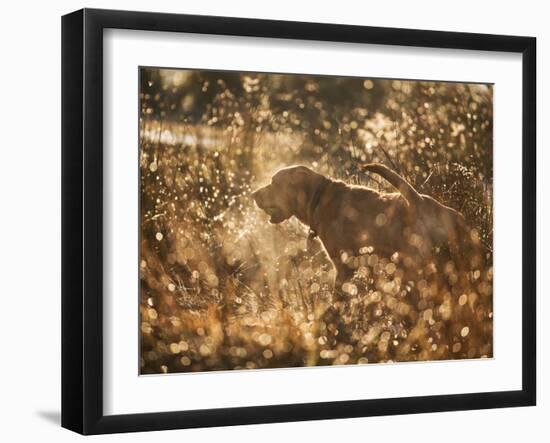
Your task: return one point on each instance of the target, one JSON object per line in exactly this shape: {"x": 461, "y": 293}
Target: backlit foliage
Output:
{"x": 221, "y": 288}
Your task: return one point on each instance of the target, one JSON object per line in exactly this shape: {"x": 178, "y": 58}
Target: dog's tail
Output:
{"x": 403, "y": 186}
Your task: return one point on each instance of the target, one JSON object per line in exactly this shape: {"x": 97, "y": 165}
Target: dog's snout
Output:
{"x": 258, "y": 194}
{"x": 255, "y": 194}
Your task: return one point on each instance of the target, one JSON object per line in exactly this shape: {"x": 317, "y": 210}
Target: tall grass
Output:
{"x": 221, "y": 288}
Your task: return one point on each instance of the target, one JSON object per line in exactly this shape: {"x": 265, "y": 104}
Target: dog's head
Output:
{"x": 288, "y": 194}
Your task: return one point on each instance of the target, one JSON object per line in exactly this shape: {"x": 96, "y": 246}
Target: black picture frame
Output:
{"x": 82, "y": 218}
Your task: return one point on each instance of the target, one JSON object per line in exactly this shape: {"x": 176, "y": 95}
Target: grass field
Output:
{"x": 222, "y": 288}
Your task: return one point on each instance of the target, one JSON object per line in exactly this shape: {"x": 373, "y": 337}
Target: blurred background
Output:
{"x": 40, "y": 310}
{"x": 221, "y": 288}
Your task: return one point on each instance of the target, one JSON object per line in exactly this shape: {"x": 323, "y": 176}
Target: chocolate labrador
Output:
{"x": 347, "y": 218}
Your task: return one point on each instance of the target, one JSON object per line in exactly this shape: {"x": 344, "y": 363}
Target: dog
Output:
{"x": 348, "y": 218}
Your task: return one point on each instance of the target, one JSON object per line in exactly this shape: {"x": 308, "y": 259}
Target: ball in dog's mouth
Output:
{"x": 272, "y": 212}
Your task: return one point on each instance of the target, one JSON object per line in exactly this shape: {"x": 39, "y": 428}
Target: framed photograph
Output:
{"x": 270, "y": 221}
